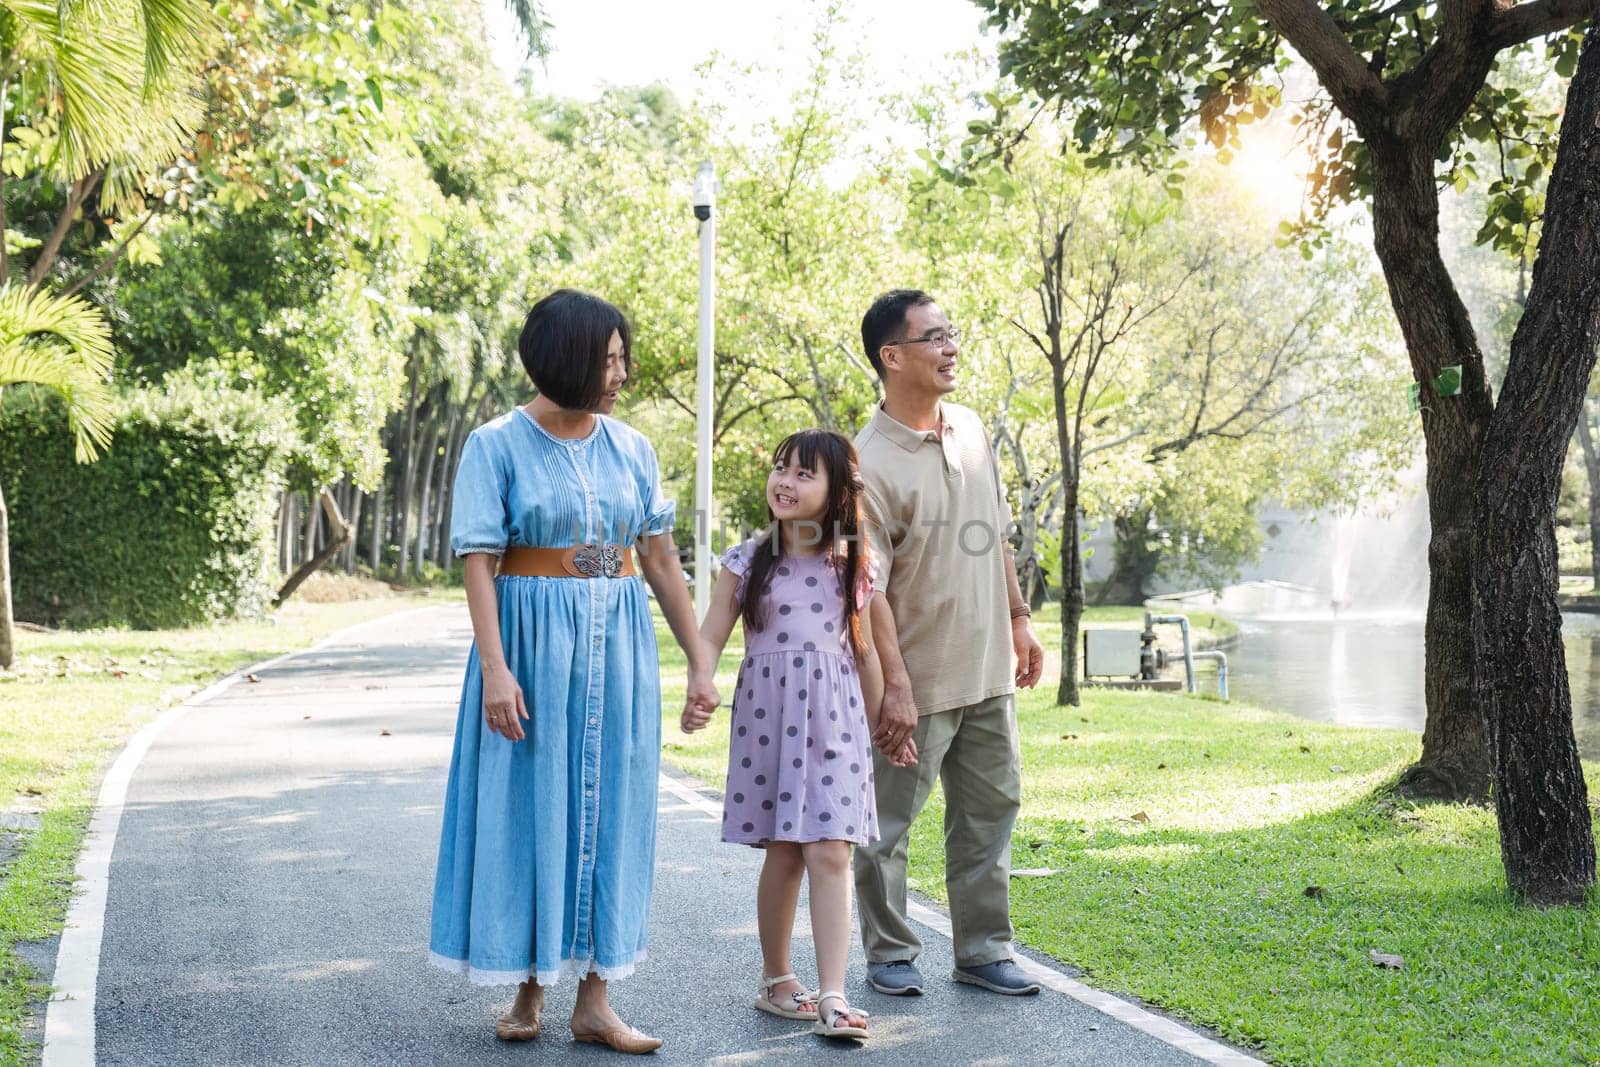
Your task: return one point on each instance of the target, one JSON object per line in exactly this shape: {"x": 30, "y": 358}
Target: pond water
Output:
{"x": 1368, "y": 672}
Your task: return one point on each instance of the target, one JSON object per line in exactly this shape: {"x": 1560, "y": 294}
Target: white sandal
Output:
{"x": 834, "y": 1022}
{"x": 789, "y": 1008}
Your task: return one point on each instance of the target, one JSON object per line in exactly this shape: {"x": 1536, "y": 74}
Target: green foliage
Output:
{"x": 104, "y": 81}
{"x": 1141, "y": 79}
{"x": 1216, "y": 393}
{"x": 259, "y": 300}
{"x": 171, "y": 527}
{"x": 61, "y": 344}
{"x": 805, "y": 240}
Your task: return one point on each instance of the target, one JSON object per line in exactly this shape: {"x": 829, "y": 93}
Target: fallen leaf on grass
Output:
{"x": 1337, "y": 768}
{"x": 1161, "y": 766}
{"x": 1139, "y": 892}
{"x": 1305, "y": 748}
{"x": 116, "y": 672}
{"x": 1399, "y": 868}
{"x": 1387, "y": 961}
{"x": 1316, "y": 892}
{"x": 1263, "y": 893}
{"x": 1069, "y": 737}
{"x": 1139, "y": 816}
{"x": 251, "y": 678}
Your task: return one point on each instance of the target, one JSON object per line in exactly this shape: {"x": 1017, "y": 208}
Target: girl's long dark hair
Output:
{"x": 835, "y": 456}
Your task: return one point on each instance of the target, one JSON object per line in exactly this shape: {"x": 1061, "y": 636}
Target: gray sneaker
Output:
{"x": 898, "y": 978}
{"x": 1001, "y": 976}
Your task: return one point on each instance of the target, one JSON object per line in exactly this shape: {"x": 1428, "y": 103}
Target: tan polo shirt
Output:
{"x": 937, "y": 523}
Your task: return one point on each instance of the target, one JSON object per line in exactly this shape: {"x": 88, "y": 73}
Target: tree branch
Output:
{"x": 111, "y": 260}
{"x": 1355, "y": 89}
{"x": 1515, "y": 23}
{"x": 77, "y": 193}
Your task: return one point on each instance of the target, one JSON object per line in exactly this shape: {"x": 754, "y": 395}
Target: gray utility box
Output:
{"x": 1111, "y": 653}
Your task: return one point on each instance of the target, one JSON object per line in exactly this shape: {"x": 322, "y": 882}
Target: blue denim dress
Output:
{"x": 547, "y": 853}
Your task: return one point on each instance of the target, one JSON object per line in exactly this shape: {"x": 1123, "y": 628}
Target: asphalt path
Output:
{"x": 270, "y": 883}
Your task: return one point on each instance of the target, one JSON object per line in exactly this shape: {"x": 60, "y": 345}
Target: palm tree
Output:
{"x": 534, "y": 26}
{"x": 61, "y": 344}
{"x": 102, "y": 89}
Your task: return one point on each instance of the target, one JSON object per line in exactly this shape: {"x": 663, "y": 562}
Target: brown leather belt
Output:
{"x": 579, "y": 561}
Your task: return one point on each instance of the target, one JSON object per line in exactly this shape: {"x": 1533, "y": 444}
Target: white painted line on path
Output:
{"x": 69, "y": 1039}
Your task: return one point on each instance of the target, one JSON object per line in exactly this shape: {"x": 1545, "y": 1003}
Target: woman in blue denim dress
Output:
{"x": 546, "y": 857}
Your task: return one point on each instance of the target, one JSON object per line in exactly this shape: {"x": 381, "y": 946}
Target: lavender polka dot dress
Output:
{"x": 799, "y": 760}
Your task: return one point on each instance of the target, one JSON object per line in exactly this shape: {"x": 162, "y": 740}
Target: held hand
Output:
{"x": 695, "y": 716}
{"x": 503, "y": 706}
{"x": 905, "y": 756}
{"x": 1030, "y": 654}
{"x": 702, "y": 699}
{"x": 897, "y": 719}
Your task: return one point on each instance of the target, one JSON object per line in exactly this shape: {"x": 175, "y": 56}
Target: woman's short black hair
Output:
{"x": 885, "y": 321}
{"x": 563, "y": 347}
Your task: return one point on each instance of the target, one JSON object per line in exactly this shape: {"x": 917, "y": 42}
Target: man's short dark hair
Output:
{"x": 563, "y": 347}
{"x": 885, "y": 321}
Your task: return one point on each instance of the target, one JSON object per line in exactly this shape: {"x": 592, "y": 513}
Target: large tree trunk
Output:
{"x": 339, "y": 535}
{"x": 430, "y": 463}
{"x": 7, "y": 650}
{"x": 466, "y": 418}
{"x": 408, "y": 476}
{"x": 1546, "y": 832}
{"x": 375, "y": 544}
{"x": 1135, "y": 562}
{"x": 312, "y": 529}
{"x": 1071, "y": 563}
{"x": 357, "y": 500}
{"x": 1455, "y": 759}
{"x": 1591, "y": 470}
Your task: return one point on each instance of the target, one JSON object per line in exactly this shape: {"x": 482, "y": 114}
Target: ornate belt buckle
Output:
{"x": 592, "y": 561}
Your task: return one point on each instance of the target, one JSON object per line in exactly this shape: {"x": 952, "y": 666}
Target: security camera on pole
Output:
{"x": 705, "y": 199}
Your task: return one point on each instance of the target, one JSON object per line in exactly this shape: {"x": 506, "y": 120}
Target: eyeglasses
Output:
{"x": 938, "y": 339}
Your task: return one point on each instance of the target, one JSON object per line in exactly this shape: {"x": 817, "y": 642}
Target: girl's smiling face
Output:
{"x": 796, "y": 493}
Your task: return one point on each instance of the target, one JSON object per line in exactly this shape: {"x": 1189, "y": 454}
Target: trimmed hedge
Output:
{"x": 173, "y": 526}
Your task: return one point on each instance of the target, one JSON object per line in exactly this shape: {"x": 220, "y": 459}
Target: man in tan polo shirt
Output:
{"x": 955, "y": 639}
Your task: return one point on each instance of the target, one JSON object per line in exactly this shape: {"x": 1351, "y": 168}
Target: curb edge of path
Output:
{"x": 1166, "y": 1030}
{"x": 69, "y": 1029}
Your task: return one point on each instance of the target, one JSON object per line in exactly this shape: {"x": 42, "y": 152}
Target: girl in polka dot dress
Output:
{"x": 806, "y": 704}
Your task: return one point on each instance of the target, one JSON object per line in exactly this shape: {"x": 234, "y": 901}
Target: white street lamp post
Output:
{"x": 705, "y": 199}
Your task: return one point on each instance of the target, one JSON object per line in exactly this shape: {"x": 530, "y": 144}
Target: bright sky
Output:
{"x": 633, "y": 42}
{"x": 600, "y": 43}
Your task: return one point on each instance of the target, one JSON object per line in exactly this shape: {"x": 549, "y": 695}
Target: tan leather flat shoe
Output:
{"x": 621, "y": 1038}
{"x": 509, "y": 1029}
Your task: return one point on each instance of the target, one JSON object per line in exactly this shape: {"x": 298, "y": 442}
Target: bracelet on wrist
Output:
{"x": 1021, "y": 611}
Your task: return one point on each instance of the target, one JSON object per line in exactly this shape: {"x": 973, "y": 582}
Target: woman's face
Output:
{"x": 616, "y": 375}
{"x": 796, "y": 493}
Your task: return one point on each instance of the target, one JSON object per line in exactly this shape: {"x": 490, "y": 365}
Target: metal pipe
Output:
{"x": 1222, "y": 670}
{"x": 1188, "y": 652}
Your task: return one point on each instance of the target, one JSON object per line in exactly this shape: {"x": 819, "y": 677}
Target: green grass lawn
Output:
{"x": 1185, "y": 835}
{"x": 68, "y": 703}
